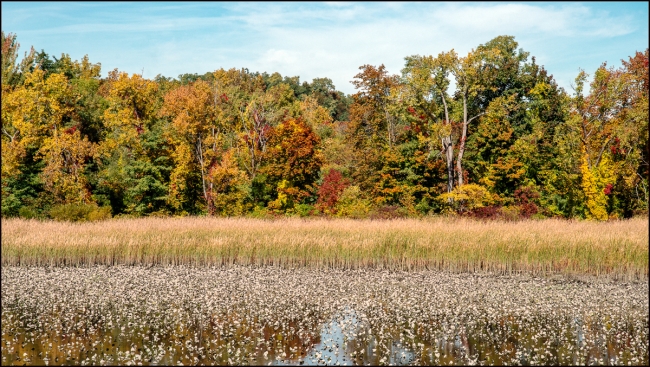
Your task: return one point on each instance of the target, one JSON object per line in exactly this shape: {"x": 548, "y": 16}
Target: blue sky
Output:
{"x": 327, "y": 39}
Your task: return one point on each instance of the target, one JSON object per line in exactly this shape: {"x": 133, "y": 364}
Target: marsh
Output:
{"x": 269, "y": 315}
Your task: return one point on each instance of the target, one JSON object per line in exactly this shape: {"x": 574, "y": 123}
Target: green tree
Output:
{"x": 132, "y": 156}
{"x": 427, "y": 81}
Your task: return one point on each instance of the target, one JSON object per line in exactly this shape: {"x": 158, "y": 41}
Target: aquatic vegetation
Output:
{"x": 617, "y": 249}
{"x": 240, "y": 315}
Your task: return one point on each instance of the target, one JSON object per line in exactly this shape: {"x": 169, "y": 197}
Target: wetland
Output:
{"x": 265, "y": 315}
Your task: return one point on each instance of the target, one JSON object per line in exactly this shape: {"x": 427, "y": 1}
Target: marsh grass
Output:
{"x": 615, "y": 248}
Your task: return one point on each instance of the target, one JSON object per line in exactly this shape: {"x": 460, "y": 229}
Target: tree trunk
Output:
{"x": 461, "y": 147}
{"x": 390, "y": 128}
{"x": 448, "y": 150}
{"x": 463, "y": 138}
{"x": 199, "y": 151}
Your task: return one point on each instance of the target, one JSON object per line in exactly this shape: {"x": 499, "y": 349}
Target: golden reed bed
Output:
{"x": 617, "y": 248}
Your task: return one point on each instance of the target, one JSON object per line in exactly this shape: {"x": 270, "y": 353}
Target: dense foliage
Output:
{"x": 504, "y": 142}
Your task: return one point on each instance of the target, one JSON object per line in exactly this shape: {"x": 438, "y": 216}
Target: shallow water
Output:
{"x": 245, "y": 315}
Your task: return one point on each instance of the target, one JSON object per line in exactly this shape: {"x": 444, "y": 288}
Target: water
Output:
{"x": 344, "y": 340}
{"x": 245, "y": 316}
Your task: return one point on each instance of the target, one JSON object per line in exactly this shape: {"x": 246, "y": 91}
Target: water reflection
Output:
{"x": 334, "y": 340}
{"x": 344, "y": 340}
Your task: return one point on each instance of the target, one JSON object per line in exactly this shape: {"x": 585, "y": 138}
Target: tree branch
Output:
{"x": 479, "y": 115}
{"x": 602, "y": 150}
{"x": 12, "y": 137}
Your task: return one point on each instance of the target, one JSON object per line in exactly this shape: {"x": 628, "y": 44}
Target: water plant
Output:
{"x": 240, "y": 315}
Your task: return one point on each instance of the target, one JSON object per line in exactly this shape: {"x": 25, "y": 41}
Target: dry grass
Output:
{"x": 618, "y": 248}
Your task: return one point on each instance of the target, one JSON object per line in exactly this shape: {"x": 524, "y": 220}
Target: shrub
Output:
{"x": 162, "y": 213}
{"x": 510, "y": 212}
{"x": 99, "y": 213}
{"x": 128, "y": 216}
{"x": 352, "y": 204}
{"x": 497, "y": 212}
{"x": 424, "y": 207}
{"x": 79, "y": 212}
{"x": 466, "y": 198}
{"x": 230, "y": 190}
{"x": 260, "y": 212}
{"x": 527, "y": 199}
{"x": 486, "y": 212}
{"x": 27, "y": 213}
{"x": 330, "y": 191}
{"x": 302, "y": 210}
{"x": 389, "y": 212}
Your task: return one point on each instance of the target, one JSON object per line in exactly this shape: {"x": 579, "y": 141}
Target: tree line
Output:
{"x": 488, "y": 134}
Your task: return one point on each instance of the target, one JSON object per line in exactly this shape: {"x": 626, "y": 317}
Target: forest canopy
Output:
{"x": 488, "y": 134}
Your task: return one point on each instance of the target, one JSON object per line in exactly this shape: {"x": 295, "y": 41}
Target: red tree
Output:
{"x": 330, "y": 191}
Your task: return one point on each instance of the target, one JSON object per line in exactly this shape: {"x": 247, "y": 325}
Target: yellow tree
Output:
{"x": 65, "y": 153}
{"x": 313, "y": 113}
{"x": 293, "y": 162}
{"x": 84, "y": 69}
{"x": 230, "y": 189}
{"x": 599, "y": 119}
{"x": 33, "y": 120}
{"x": 258, "y": 115}
{"x": 28, "y": 113}
{"x": 130, "y": 110}
{"x": 196, "y": 136}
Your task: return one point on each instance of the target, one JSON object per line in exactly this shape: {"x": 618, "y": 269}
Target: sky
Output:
{"x": 326, "y": 39}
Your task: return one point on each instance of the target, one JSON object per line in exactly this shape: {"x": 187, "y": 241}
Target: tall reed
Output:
{"x": 618, "y": 248}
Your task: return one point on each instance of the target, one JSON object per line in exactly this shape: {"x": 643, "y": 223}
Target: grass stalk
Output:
{"x": 615, "y": 248}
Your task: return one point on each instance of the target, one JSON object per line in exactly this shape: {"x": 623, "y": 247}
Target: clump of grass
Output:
{"x": 618, "y": 248}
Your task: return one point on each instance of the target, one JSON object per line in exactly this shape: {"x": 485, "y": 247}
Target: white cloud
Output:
{"x": 338, "y": 4}
{"x": 329, "y": 39}
{"x": 335, "y": 41}
{"x": 280, "y": 57}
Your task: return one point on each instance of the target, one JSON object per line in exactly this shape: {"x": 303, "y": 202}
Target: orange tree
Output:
{"x": 291, "y": 164}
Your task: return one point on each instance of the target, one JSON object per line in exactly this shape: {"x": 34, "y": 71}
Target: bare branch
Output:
{"x": 479, "y": 115}
{"x": 12, "y": 137}
{"x": 602, "y": 149}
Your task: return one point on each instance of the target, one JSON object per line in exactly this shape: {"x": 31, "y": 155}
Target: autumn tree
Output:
{"x": 38, "y": 122}
{"x": 471, "y": 83}
{"x": 230, "y": 186}
{"x": 13, "y": 72}
{"x": 292, "y": 163}
{"x": 196, "y": 135}
{"x": 66, "y": 154}
{"x": 371, "y": 128}
{"x": 633, "y": 143}
{"x": 519, "y": 106}
{"x": 427, "y": 81}
{"x": 329, "y": 192}
{"x": 134, "y": 163}
{"x": 610, "y": 121}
